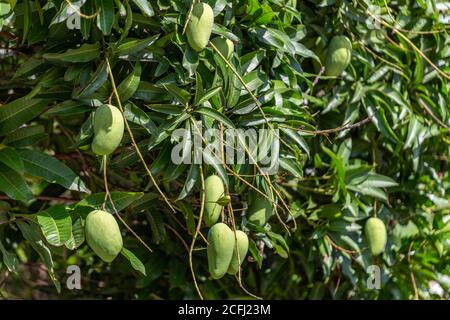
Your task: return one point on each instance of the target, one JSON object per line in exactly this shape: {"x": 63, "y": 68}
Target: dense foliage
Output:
{"x": 371, "y": 141}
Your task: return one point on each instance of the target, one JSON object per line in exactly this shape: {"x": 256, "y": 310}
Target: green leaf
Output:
{"x": 29, "y": 67}
{"x": 440, "y": 203}
{"x": 135, "y": 46}
{"x": 216, "y": 164}
{"x": 418, "y": 71}
{"x": 369, "y": 191}
{"x": 16, "y": 113}
{"x": 51, "y": 170}
{"x": 130, "y": 84}
{"x": 150, "y": 92}
{"x": 32, "y": 235}
{"x": 145, "y": 7}
{"x": 378, "y": 73}
{"x": 251, "y": 60}
{"x": 298, "y": 139}
{"x": 158, "y": 230}
{"x": 85, "y": 24}
{"x": 128, "y": 21}
{"x": 253, "y": 249}
{"x": 216, "y": 115}
{"x": 378, "y": 181}
{"x": 105, "y": 18}
{"x": 198, "y": 88}
{"x": 134, "y": 261}
{"x": 278, "y": 238}
{"x": 406, "y": 231}
{"x": 208, "y": 95}
{"x": 165, "y": 129}
{"x": 190, "y": 60}
{"x": 13, "y": 184}
{"x": 136, "y": 115}
{"x": 413, "y": 131}
{"x": 181, "y": 95}
{"x": 56, "y": 224}
{"x": 26, "y": 20}
{"x": 11, "y": 158}
{"x": 121, "y": 200}
{"x": 396, "y": 97}
{"x": 86, "y": 131}
{"x": 10, "y": 259}
{"x": 380, "y": 121}
{"x": 191, "y": 179}
{"x": 77, "y": 237}
{"x": 97, "y": 80}
{"x": 291, "y": 166}
{"x": 25, "y": 136}
{"x": 85, "y": 53}
{"x": 68, "y": 108}
{"x": 66, "y": 10}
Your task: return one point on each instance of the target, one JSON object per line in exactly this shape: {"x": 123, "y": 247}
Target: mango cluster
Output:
{"x": 226, "y": 249}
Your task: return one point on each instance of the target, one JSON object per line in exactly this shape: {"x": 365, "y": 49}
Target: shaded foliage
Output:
{"x": 372, "y": 141}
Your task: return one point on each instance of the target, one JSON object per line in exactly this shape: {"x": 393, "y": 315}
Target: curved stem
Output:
{"x": 133, "y": 141}
{"x": 108, "y": 196}
{"x": 197, "y": 230}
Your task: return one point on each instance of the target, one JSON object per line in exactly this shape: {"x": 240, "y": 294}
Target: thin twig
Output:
{"x": 427, "y": 109}
{"x": 239, "y": 274}
{"x": 333, "y": 244}
{"x": 413, "y": 31}
{"x": 133, "y": 141}
{"x": 178, "y": 236}
{"x": 341, "y": 128}
{"x": 82, "y": 15}
{"x": 188, "y": 16}
{"x": 411, "y": 273}
{"x": 197, "y": 230}
{"x": 274, "y": 205}
{"x": 108, "y": 195}
{"x": 398, "y": 32}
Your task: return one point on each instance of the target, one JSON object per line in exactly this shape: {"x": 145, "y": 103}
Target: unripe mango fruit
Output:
{"x": 214, "y": 190}
{"x": 103, "y": 235}
{"x": 260, "y": 210}
{"x": 220, "y": 249}
{"x": 242, "y": 248}
{"x": 376, "y": 235}
{"x": 338, "y": 56}
{"x": 108, "y": 129}
{"x": 225, "y": 46}
{"x": 199, "y": 27}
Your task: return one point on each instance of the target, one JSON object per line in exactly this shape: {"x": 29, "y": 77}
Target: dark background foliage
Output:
{"x": 373, "y": 141}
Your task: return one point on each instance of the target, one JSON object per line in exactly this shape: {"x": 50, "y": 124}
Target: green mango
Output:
{"x": 108, "y": 129}
{"x": 338, "y": 55}
{"x": 199, "y": 27}
{"x": 214, "y": 190}
{"x": 376, "y": 235}
{"x": 103, "y": 235}
{"x": 242, "y": 245}
{"x": 225, "y": 46}
{"x": 220, "y": 249}
{"x": 260, "y": 210}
